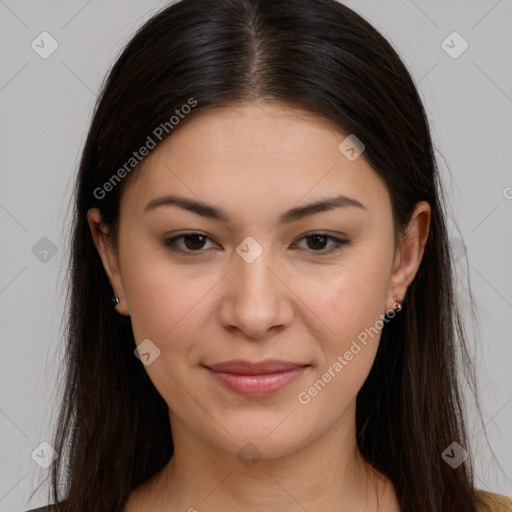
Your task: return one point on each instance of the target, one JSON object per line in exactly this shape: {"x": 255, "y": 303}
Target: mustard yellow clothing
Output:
{"x": 495, "y": 502}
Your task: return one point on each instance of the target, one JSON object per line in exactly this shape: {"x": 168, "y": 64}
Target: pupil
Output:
{"x": 193, "y": 237}
{"x": 316, "y": 237}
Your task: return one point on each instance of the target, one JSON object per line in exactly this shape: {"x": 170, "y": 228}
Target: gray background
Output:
{"x": 46, "y": 107}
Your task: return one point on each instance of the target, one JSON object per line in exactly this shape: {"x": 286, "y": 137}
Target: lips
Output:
{"x": 241, "y": 367}
{"x": 256, "y": 379}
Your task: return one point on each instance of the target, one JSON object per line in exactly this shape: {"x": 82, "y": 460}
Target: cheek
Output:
{"x": 163, "y": 303}
{"x": 168, "y": 303}
{"x": 351, "y": 298}
{"x": 154, "y": 288}
{"x": 350, "y": 305}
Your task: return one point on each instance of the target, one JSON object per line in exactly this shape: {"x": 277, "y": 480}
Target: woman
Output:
{"x": 258, "y": 193}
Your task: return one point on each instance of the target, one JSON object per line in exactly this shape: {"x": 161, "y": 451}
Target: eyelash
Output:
{"x": 170, "y": 243}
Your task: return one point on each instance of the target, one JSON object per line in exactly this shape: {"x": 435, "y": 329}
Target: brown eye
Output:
{"x": 317, "y": 242}
{"x": 192, "y": 243}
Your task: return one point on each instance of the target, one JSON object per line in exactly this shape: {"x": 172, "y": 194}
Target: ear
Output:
{"x": 108, "y": 256}
{"x": 410, "y": 252}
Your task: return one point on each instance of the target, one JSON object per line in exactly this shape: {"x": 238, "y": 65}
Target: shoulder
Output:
{"x": 491, "y": 502}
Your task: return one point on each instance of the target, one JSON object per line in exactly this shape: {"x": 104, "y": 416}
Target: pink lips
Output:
{"x": 256, "y": 379}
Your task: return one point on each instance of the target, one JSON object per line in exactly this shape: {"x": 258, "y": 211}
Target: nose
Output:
{"x": 256, "y": 298}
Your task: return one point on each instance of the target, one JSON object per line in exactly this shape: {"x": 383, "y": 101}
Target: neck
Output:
{"x": 327, "y": 473}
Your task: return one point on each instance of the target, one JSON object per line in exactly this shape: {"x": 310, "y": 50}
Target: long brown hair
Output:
{"x": 113, "y": 430}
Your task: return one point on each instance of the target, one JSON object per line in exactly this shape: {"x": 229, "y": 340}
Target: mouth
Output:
{"x": 256, "y": 379}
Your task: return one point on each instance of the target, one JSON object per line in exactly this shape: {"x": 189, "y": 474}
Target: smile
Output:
{"x": 256, "y": 380}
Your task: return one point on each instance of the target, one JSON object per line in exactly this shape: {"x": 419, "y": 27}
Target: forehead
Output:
{"x": 255, "y": 155}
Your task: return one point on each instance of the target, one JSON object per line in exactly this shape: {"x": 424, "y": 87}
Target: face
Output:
{"x": 308, "y": 288}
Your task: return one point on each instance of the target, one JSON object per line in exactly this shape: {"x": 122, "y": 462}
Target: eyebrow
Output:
{"x": 292, "y": 215}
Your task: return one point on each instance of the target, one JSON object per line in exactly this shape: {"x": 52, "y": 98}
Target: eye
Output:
{"x": 194, "y": 242}
{"x": 319, "y": 240}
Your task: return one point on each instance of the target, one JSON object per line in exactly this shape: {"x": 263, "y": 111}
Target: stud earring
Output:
{"x": 399, "y": 302}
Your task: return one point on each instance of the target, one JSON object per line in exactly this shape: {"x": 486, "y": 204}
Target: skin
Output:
{"x": 256, "y": 160}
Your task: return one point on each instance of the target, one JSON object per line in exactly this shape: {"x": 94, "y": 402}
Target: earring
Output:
{"x": 399, "y": 302}
{"x": 115, "y": 300}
